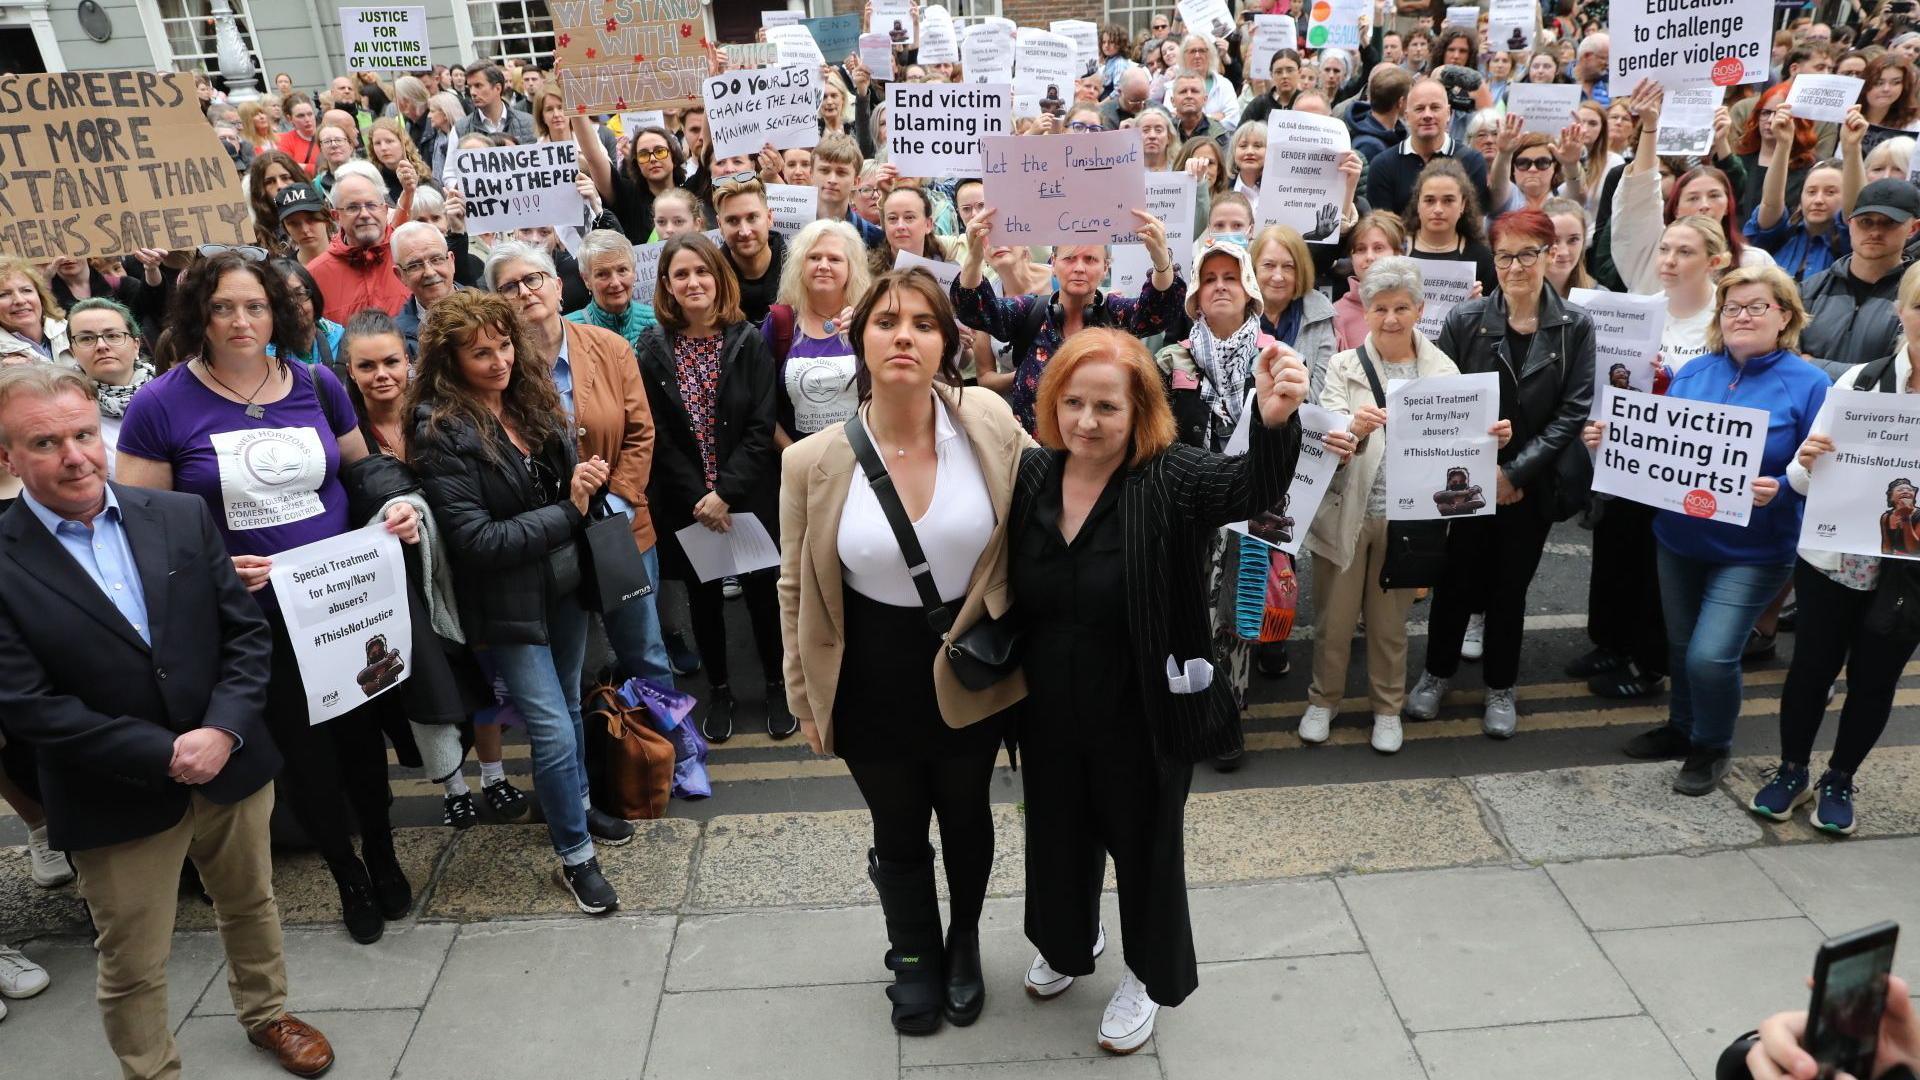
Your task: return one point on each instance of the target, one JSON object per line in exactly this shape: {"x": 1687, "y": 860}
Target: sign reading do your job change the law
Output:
{"x": 1691, "y": 457}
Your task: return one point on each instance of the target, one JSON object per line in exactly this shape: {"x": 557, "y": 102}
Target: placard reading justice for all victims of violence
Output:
{"x": 1865, "y": 496}
{"x": 385, "y": 39}
{"x": 345, "y": 602}
{"x": 1441, "y": 463}
{"x": 1691, "y": 457}
{"x": 1065, "y": 189}
{"x": 95, "y": 164}
{"x": 629, "y": 54}
{"x": 934, "y": 130}
{"x": 768, "y": 106}
{"x": 515, "y": 187}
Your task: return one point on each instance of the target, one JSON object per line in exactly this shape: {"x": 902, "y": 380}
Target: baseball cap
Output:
{"x": 1897, "y": 200}
{"x": 297, "y": 198}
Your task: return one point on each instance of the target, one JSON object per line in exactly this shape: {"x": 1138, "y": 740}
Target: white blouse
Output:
{"x": 953, "y": 532}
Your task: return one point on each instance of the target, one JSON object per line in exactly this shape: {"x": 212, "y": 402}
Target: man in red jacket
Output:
{"x": 356, "y": 270}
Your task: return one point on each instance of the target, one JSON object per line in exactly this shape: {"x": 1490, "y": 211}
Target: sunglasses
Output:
{"x": 246, "y": 251}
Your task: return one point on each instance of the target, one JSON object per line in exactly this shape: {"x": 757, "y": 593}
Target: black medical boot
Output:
{"x": 914, "y": 953}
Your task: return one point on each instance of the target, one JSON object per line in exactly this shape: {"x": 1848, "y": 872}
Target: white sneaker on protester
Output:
{"x": 49, "y": 868}
{"x": 19, "y": 976}
{"x": 1043, "y": 982}
{"x": 1386, "y": 734}
{"x": 1128, "y": 1022}
{"x": 1315, "y": 723}
{"x": 1475, "y": 643}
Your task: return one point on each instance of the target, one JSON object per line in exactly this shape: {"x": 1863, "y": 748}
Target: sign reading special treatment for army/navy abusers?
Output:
{"x": 345, "y": 602}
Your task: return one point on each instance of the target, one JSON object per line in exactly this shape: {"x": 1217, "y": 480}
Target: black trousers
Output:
{"x": 1623, "y": 594}
{"x": 1832, "y": 632}
{"x": 706, "y": 606}
{"x": 330, "y": 767}
{"x": 1086, "y": 804}
{"x": 904, "y": 795}
{"x": 1490, "y": 560}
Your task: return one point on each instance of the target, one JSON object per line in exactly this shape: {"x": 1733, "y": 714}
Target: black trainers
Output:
{"x": 780, "y": 721}
{"x": 1703, "y": 771}
{"x": 716, "y": 718}
{"x": 507, "y": 802}
{"x": 1626, "y": 681}
{"x": 1230, "y": 761}
{"x": 358, "y": 909}
{"x": 391, "y": 891}
{"x": 1593, "y": 662}
{"x": 1662, "y": 742}
{"x": 681, "y": 658}
{"x": 1271, "y": 660}
{"x": 607, "y": 829}
{"x": 589, "y": 887}
{"x": 458, "y": 811}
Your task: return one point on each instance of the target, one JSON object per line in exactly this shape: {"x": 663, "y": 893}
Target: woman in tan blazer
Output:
{"x": 865, "y": 673}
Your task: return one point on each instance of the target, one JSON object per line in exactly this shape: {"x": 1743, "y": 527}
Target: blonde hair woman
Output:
{"x": 825, "y": 275}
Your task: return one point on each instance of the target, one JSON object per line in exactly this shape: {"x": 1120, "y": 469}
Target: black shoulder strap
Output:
{"x": 881, "y": 481}
{"x": 1028, "y": 331}
{"x": 1877, "y": 375}
{"x": 1373, "y": 377}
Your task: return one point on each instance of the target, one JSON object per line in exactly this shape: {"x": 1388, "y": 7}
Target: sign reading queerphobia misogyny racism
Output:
{"x": 1445, "y": 282}
{"x": 514, "y": 187}
{"x": 934, "y": 130}
{"x": 1691, "y": 457}
{"x": 102, "y": 163}
{"x": 385, "y": 39}
{"x": 1301, "y": 185}
{"x": 767, "y": 106}
{"x": 1284, "y": 525}
{"x": 1065, "y": 189}
{"x": 1441, "y": 463}
{"x": 1863, "y": 496}
{"x": 345, "y": 602}
{"x": 1680, "y": 43}
{"x": 636, "y": 54}
{"x": 1626, "y": 339}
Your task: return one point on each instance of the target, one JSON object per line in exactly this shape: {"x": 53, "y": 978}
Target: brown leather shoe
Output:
{"x": 302, "y": 1050}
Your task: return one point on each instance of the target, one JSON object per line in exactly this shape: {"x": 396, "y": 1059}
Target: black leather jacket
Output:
{"x": 1547, "y": 398}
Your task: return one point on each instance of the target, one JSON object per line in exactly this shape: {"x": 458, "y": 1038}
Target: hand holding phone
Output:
{"x": 1849, "y": 998}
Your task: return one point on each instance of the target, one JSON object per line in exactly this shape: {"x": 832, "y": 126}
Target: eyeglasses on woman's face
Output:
{"x": 1751, "y": 311}
{"x": 1507, "y": 260}
{"x": 112, "y": 339}
{"x": 531, "y": 283}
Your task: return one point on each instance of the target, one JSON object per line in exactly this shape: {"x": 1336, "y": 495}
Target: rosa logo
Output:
{"x": 1827, "y": 528}
{"x": 274, "y": 459}
{"x": 1728, "y": 70}
{"x": 330, "y": 697}
{"x": 1700, "y": 503}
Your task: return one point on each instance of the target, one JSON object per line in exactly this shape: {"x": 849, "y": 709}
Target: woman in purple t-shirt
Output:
{"x": 263, "y": 443}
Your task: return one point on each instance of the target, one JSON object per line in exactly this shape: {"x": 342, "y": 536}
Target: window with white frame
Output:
{"x": 972, "y": 9}
{"x": 192, "y": 39}
{"x": 1137, "y": 15}
{"x": 508, "y": 28}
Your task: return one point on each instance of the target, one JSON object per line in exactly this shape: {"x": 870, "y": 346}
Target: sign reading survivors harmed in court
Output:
{"x": 515, "y": 187}
{"x": 934, "y": 129}
{"x": 101, "y": 163}
{"x": 1691, "y": 457}
{"x": 635, "y": 54}
{"x": 1863, "y": 497}
{"x": 1065, "y": 189}
{"x": 1680, "y": 43}
{"x": 385, "y": 39}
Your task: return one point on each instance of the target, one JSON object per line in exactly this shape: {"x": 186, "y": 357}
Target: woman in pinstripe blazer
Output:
{"x": 1108, "y": 544}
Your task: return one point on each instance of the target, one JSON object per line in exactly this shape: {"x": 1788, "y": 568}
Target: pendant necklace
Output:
{"x": 253, "y": 410}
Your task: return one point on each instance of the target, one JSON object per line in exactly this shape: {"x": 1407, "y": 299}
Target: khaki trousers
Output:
{"x": 1340, "y": 597}
{"x": 132, "y": 889}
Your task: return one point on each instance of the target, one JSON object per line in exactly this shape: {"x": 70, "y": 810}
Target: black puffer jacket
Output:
{"x": 1850, "y": 322}
{"x": 499, "y": 530}
{"x": 1547, "y": 398}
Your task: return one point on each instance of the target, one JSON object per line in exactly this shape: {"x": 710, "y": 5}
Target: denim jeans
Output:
{"x": 544, "y": 682}
{"x": 1710, "y": 608}
{"x": 634, "y": 630}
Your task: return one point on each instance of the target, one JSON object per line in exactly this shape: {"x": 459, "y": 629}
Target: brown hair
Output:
{"x": 1153, "y": 427}
{"x": 192, "y": 306}
{"x": 1468, "y": 227}
{"x": 1901, "y": 112}
{"x": 1785, "y": 293}
{"x": 266, "y": 220}
{"x": 914, "y": 280}
{"x": 408, "y": 151}
{"x": 1387, "y": 222}
{"x": 726, "y": 301}
{"x": 725, "y": 190}
{"x": 530, "y": 403}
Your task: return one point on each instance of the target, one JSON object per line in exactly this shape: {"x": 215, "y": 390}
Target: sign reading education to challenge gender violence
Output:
{"x": 1680, "y": 43}
{"x": 629, "y": 54}
{"x": 1691, "y": 457}
{"x": 1863, "y": 496}
{"x": 1441, "y": 462}
{"x": 1065, "y": 189}
{"x": 385, "y": 39}
{"x": 95, "y": 164}
{"x": 345, "y": 602}
{"x": 516, "y": 187}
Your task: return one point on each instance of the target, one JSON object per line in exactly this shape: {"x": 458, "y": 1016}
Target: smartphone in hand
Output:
{"x": 1849, "y": 995}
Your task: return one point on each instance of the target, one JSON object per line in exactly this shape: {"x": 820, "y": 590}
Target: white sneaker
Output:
{"x": 49, "y": 867}
{"x": 19, "y": 976}
{"x": 1128, "y": 1022}
{"x": 1386, "y": 734}
{"x": 1043, "y": 982}
{"x": 1314, "y": 724}
{"x": 1475, "y": 643}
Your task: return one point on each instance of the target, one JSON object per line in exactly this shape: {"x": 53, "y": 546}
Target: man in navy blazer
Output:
{"x": 135, "y": 663}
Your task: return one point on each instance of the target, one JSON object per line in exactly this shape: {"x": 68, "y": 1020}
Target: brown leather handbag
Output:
{"x": 637, "y": 770}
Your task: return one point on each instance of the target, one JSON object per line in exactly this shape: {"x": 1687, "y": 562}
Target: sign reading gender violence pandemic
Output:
{"x": 1271, "y": 33}
{"x": 516, "y": 187}
{"x": 345, "y": 602}
{"x": 385, "y": 39}
{"x": 1544, "y": 107}
{"x": 1170, "y": 197}
{"x": 1334, "y": 24}
{"x": 1691, "y": 457}
{"x": 1065, "y": 189}
{"x": 747, "y": 110}
{"x": 1863, "y": 496}
{"x": 1510, "y": 24}
{"x": 1686, "y": 120}
{"x": 894, "y": 18}
{"x": 1441, "y": 462}
{"x": 1284, "y": 525}
{"x": 1680, "y": 43}
{"x": 1626, "y": 339}
{"x": 934, "y": 129}
{"x": 1301, "y": 185}
{"x": 95, "y": 164}
{"x": 1445, "y": 282}
{"x": 637, "y": 54}
{"x": 1823, "y": 97}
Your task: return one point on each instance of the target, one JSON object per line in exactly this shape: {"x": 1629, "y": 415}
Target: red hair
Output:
{"x": 1533, "y": 225}
{"x": 1729, "y": 221}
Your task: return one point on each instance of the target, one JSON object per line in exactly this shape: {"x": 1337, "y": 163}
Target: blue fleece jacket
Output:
{"x": 1791, "y": 391}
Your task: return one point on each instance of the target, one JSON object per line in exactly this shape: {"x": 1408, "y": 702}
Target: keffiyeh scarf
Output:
{"x": 1226, "y": 366}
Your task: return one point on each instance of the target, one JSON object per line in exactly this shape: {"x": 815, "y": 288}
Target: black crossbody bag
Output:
{"x": 1416, "y": 550}
{"x": 989, "y": 650}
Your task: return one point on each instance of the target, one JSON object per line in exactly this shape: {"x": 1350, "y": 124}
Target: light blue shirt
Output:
{"x": 103, "y": 552}
{"x": 563, "y": 382}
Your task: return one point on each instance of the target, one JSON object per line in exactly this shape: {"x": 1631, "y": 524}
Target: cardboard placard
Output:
{"x": 1271, "y": 33}
{"x": 894, "y": 18}
{"x": 1691, "y": 457}
{"x": 1726, "y": 43}
{"x": 1626, "y": 339}
{"x": 747, "y": 110}
{"x": 791, "y": 207}
{"x": 1441, "y": 463}
{"x": 344, "y": 600}
{"x": 1544, "y": 107}
{"x": 934, "y": 129}
{"x": 1686, "y": 120}
{"x": 1862, "y": 499}
{"x": 516, "y": 187}
{"x": 385, "y": 39}
{"x": 1510, "y": 24}
{"x": 836, "y": 35}
{"x": 1823, "y": 97}
{"x": 102, "y": 163}
{"x": 1444, "y": 282}
{"x": 1301, "y": 184}
{"x": 1065, "y": 189}
{"x": 629, "y": 56}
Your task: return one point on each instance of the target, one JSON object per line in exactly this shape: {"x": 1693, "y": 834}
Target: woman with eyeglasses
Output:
{"x": 652, "y": 166}
{"x": 1715, "y": 577}
{"x": 1543, "y": 352}
{"x": 264, "y": 442}
{"x": 336, "y": 149}
{"x": 106, "y": 345}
